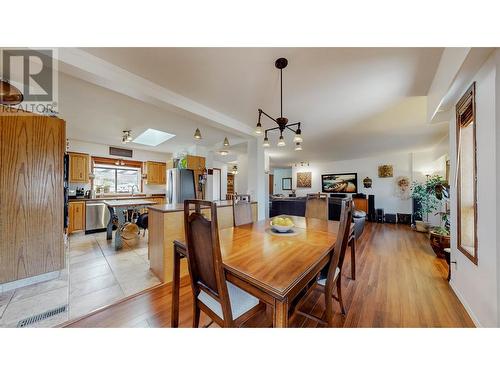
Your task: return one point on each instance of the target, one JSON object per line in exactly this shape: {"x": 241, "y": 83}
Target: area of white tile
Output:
{"x": 95, "y": 276}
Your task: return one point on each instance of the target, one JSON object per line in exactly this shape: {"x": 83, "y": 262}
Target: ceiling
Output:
{"x": 352, "y": 102}
{"x": 95, "y": 114}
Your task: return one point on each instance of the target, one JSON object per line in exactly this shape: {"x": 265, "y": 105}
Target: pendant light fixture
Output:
{"x": 225, "y": 151}
{"x": 235, "y": 170}
{"x": 197, "y": 134}
{"x": 281, "y": 121}
{"x": 9, "y": 94}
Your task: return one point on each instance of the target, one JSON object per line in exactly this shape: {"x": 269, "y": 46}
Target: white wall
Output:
{"x": 477, "y": 286}
{"x": 96, "y": 149}
{"x": 280, "y": 173}
{"x": 382, "y": 188}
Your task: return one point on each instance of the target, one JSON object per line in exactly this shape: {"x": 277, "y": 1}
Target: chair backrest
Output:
{"x": 340, "y": 244}
{"x": 317, "y": 206}
{"x": 204, "y": 255}
{"x": 242, "y": 210}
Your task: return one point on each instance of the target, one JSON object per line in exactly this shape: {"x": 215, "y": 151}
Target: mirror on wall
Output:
{"x": 466, "y": 175}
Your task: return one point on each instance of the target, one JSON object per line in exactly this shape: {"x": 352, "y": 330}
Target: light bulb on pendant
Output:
{"x": 298, "y": 147}
{"x": 281, "y": 141}
{"x": 223, "y": 152}
{"x": 298, "y": 137}
{"x": 258, "y": 128}
{"x": 197, "y": 134}
{"x": 226, "y": 142}
{"x": 266, "y": 142}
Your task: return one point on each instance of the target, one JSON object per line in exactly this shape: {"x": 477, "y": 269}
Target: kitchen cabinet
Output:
{"x": 79, "y": 165}
{"x": 76, "y": 216}
{"x": 156, "y": 173}
{"x": 31, "y": 194}
{"x": 197, "y": 164}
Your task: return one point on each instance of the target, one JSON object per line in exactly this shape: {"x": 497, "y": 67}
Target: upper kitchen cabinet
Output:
{"x": 79, "y": 165}
{"x": 156, "y": 173}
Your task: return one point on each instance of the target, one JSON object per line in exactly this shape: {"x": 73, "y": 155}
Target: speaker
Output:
{"x": 371, "y": 207}
{"x": 380, "y": 215}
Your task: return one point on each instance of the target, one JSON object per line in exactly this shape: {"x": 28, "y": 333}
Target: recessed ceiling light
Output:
{"x": 152, "y": 137}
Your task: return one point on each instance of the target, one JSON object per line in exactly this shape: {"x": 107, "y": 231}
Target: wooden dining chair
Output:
{"x": 317, "y": 206}
{"x": 325, "y": 283}
{"x": 223, "y": 302}
{"x": 242, "y": 210}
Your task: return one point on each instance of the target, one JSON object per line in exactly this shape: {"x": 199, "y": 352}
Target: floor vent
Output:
{"x": 36, "y": 318}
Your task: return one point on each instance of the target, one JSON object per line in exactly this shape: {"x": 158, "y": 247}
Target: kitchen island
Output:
{"x": 166, "y": 224}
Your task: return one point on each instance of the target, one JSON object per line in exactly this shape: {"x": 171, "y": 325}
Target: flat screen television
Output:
{"x": 339, "y": 183}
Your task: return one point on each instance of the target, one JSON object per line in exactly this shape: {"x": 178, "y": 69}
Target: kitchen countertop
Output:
{"x": 138, "y": 196}
{"x": 180, "y": 206}
{"x": 127, "y": 202}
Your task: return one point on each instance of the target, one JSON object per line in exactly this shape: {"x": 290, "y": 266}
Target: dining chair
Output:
{"x": 242, "y": 210}
{"x": 317, "y": 206}
{"x": 325, "y": 283}
{"x": 223, "y": 302}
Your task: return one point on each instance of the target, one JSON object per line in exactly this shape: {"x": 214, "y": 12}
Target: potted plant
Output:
{"x": 428, "y": 196}
{"x": 431, "y": 196}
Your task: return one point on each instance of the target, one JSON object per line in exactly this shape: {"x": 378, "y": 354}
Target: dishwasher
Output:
{"x": 96, "y": 217}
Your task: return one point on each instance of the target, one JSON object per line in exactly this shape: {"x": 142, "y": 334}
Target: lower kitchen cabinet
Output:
{"x": 76, "y": 216}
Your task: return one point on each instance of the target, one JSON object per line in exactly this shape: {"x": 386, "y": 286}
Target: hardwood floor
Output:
{"x": 399, "y": 283}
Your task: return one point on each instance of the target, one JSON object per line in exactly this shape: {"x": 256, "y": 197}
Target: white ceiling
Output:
{"x": 352, "y": 102}
{"x": 95, "y": 114}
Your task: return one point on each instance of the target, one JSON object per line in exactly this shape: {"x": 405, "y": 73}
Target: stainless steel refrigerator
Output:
{"x": 180, "y": 185}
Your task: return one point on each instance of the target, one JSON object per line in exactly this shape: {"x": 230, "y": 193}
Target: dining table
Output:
{"x": 273, "y": 267}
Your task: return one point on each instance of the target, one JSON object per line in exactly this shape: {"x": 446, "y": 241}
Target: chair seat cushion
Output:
{"x": 323, "y": 281}
{"x": 240, "y": 300}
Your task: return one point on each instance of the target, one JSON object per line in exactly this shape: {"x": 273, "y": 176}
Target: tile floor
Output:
{"x": 96, "y": 275}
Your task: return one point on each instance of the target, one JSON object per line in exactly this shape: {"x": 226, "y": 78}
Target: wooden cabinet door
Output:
{"x": 156, "y": 173}
{"x": 78, "y": 168}
{"x": 76, "y": 216}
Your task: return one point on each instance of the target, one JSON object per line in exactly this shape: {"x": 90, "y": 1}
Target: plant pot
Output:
{"x": 421, "y": 226}
{"x": 439, "y": 242}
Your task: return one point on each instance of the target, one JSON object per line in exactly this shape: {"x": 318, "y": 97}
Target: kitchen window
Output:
{"x": 117, "y": 180}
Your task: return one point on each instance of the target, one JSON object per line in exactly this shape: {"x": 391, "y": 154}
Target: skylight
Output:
{"x": 152, "y": 137}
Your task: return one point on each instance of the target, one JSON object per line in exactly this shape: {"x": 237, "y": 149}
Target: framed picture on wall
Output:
{"x": 304, "y": 179}
{"x": 286, "y": 183}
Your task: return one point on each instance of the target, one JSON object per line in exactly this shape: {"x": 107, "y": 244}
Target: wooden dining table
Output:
{"x": 274, "y": 268}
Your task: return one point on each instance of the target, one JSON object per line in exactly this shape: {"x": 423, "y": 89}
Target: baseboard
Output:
{"x": 465, "y": 305}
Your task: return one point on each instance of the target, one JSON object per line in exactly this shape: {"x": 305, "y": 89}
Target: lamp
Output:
{"x": 235, "y": 170}
{"x": 197, "y": 134}
{"x": 298, "y": 147}
{"x": 225, "y": 151}
{"x": 281, "y": 121}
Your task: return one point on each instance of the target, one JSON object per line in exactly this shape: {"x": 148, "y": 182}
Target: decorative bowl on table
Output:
{"x": 282, "y": 224}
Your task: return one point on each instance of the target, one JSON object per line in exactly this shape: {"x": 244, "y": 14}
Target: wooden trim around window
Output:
{"x": 466, "y": 116}
{"x": 112, "y": 161}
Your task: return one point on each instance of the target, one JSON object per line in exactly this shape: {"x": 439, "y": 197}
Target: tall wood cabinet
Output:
{"x": 79, "y": 166}
{"x": 31, "y": 195}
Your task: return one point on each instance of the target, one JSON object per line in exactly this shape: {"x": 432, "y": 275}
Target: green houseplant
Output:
{"x": 431, "y": 196}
